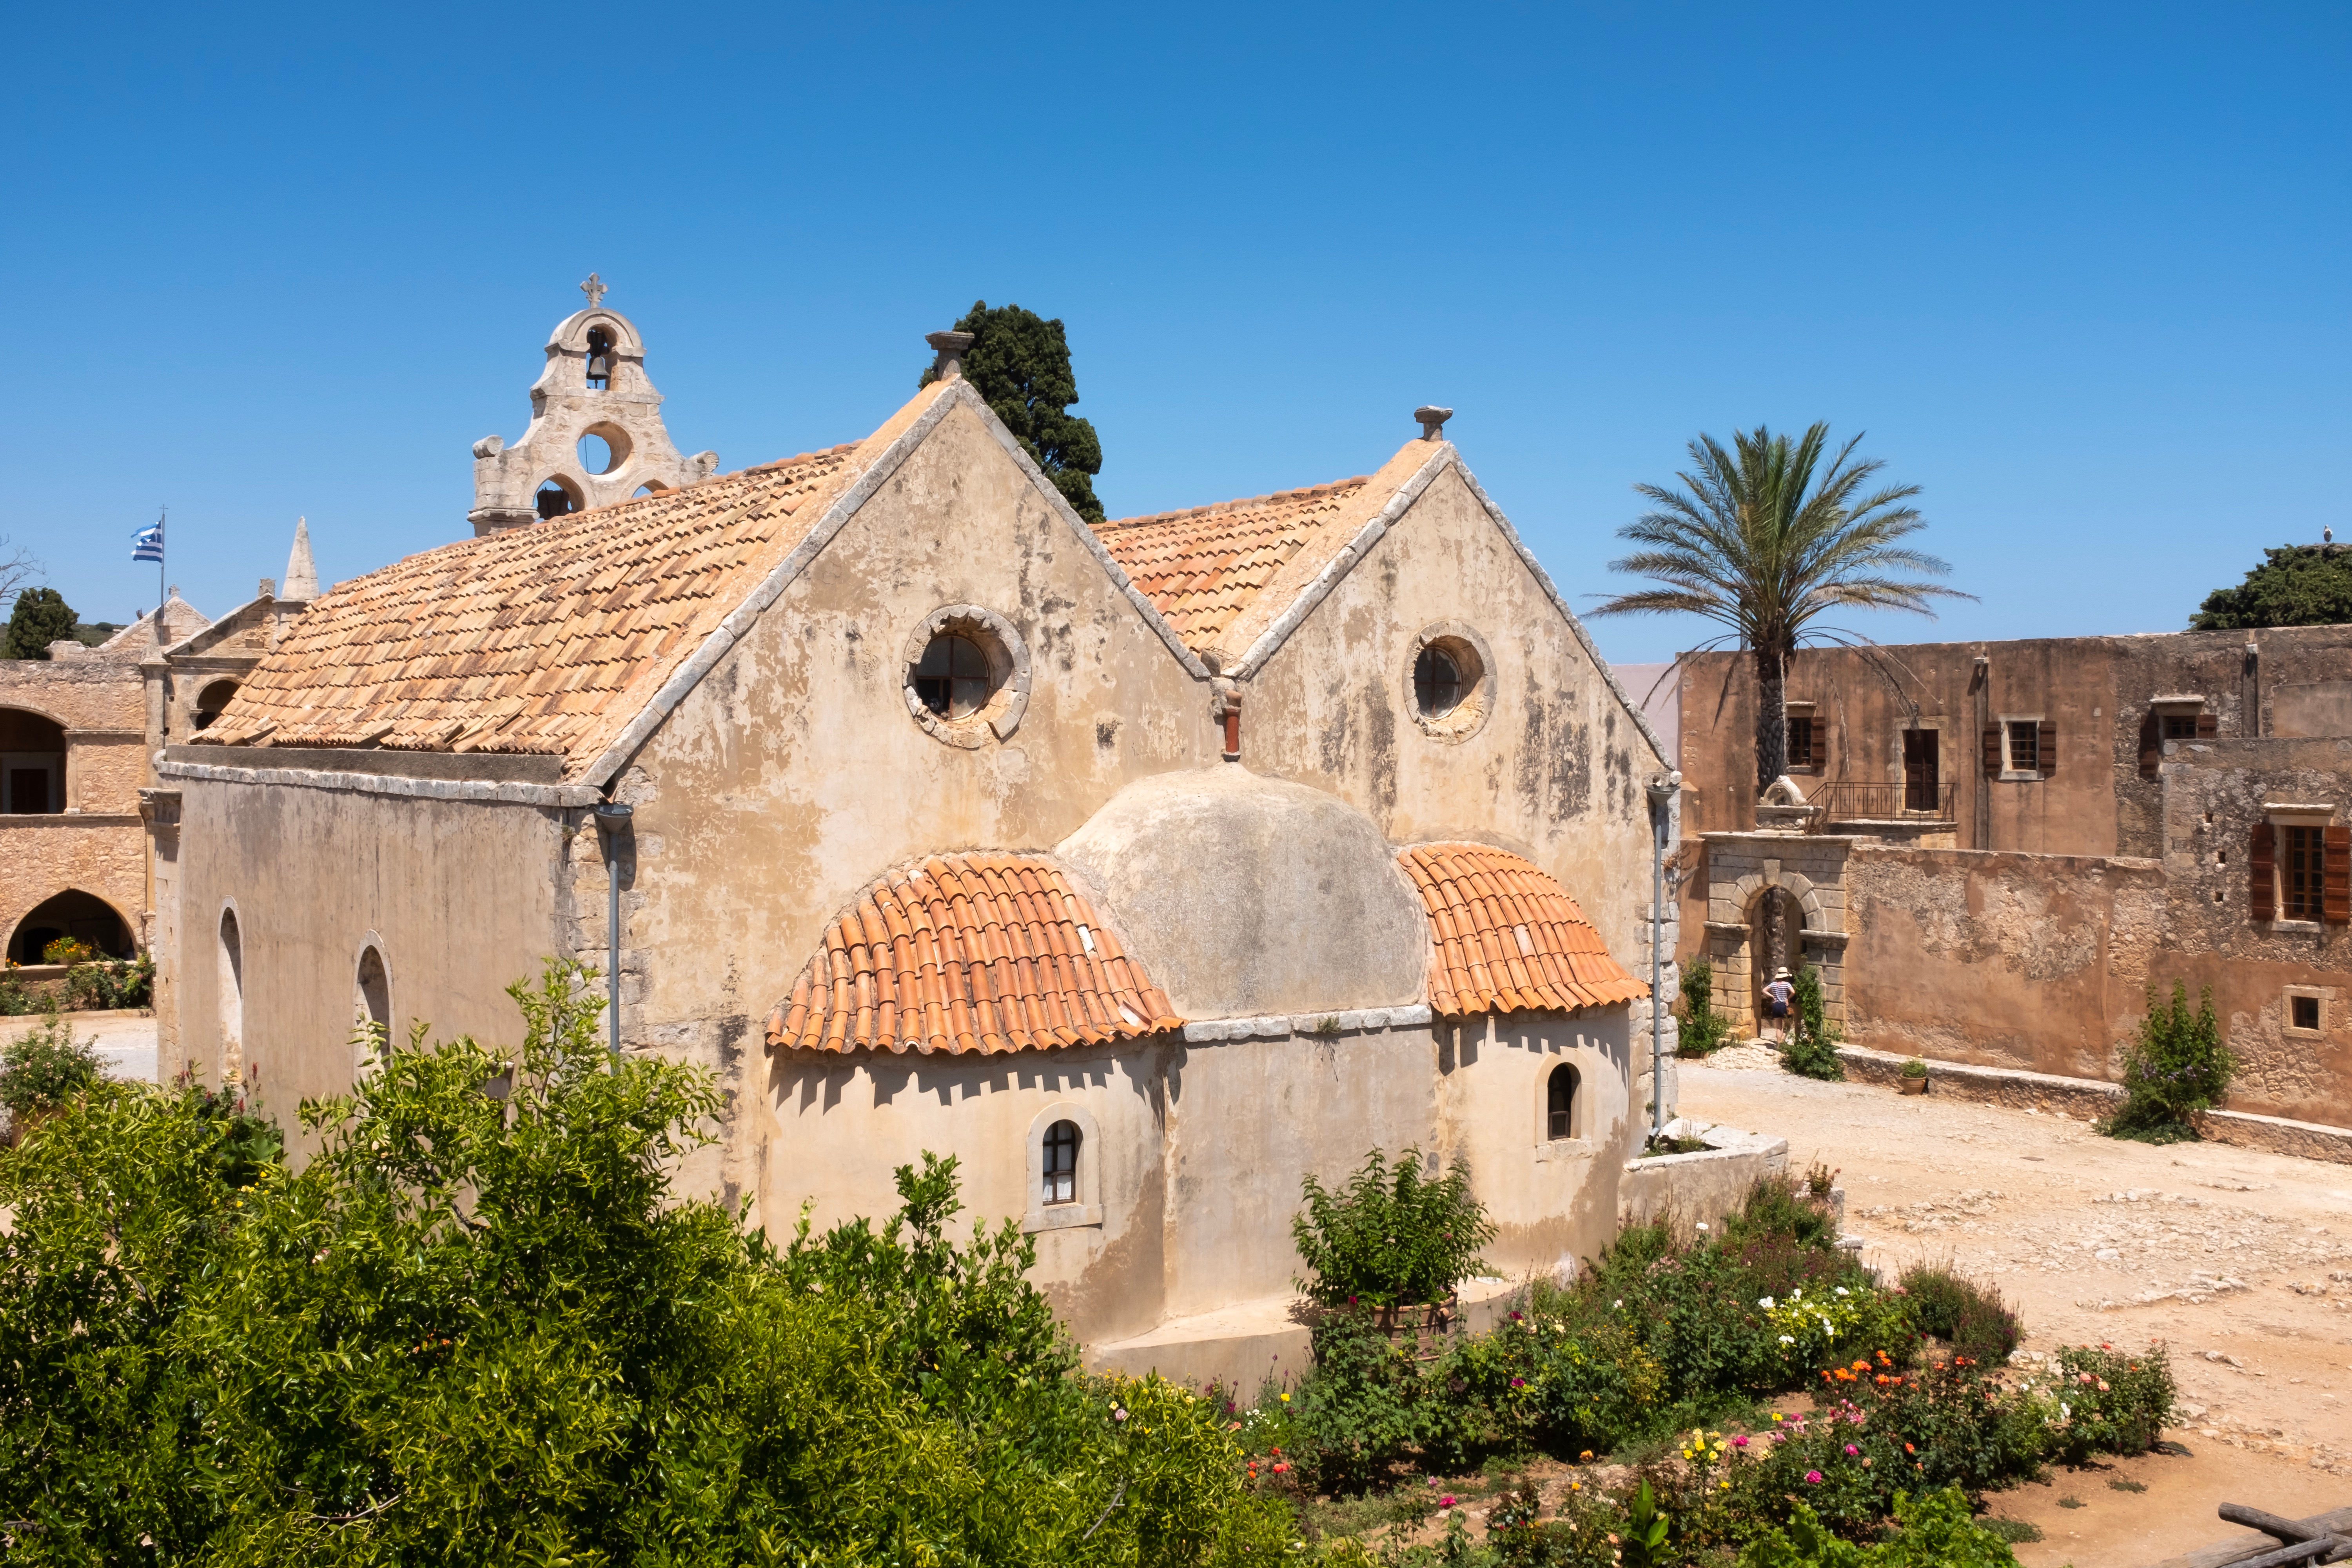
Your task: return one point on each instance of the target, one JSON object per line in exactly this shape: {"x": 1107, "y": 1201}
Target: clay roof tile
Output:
{"x": 1479, "y": 899}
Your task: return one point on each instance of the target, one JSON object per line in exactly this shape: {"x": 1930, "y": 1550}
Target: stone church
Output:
{"x": 1145, "y": 867}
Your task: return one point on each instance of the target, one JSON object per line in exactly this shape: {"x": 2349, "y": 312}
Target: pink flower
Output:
{"x": 1446, "y": 1501}
{"x": 1739, "y": 1442}
{"x": 1812, "y": 1478}
{"x": 1852, "y": 1452}
{"x": 1518, "y": 1382}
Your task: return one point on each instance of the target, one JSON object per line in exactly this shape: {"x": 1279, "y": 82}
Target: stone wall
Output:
{"x": 1811, "y": 869}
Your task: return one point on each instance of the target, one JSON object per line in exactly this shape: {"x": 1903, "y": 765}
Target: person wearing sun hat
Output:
{"x": 1778, "y": 995}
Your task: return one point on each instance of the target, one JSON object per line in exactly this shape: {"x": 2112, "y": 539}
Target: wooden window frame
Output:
{"x": 1809, "y": 715}
{"x": 1085, "y": 1208}
{"x": 2270, "y": 867}
{"x": 2046, "y": 747}
{"x": 2317, "y": 997}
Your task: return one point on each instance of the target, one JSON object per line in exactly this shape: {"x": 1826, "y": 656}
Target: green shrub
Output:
{"x": 1969, "y": 1317}
{"x": 42, "y": 1070}
{"x": 1391, "y": 1236}
{"x": 1934, "y": 1531}
{"x": 2101, "y": 1401}
{"x": 1702, "y": 1030}
{"x": 111, "y": 983}
{"x": 2176, "y": 1068}
{"x": 17, "y": 998}
{"x": 1914, "y": 1067}
{"x": 1811, "y": 1049}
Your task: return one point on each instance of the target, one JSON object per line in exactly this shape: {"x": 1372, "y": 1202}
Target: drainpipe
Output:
{"x": 612, "y": 821}
{"x": 1662, "y": 795}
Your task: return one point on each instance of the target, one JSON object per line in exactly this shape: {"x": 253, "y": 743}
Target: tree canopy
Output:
{"x": 1764, "y": 542}
{"x": 480, "y": 1325}
{"x": 1020, "y": 362}
{"x": 41, "y": 617}
{"x": 2295, "y": 585}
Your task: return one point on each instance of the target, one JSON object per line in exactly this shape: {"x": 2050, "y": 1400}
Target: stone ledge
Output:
{"x": 2090, "y": 1099}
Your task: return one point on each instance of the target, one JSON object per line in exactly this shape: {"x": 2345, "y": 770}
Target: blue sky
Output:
{"x": 2081, "y": 273}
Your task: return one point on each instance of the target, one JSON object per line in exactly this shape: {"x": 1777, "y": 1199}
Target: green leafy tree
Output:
{"x": 1020, "y": 362}
{"x": 41, "y": 617}
{"x": 1764, "y": 540}
{"x": 481, "y": 1324}
{"x": 2295, "y": 585}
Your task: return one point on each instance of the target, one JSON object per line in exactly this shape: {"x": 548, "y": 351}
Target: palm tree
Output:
{"x": 1754, "y": 542}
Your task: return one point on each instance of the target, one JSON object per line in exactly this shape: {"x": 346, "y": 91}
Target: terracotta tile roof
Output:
{"x": 528, "y": 640}
{"x": 1507, "y": 937}
{"x": 970, "y": 952}
{"x": 1203, "y": 567}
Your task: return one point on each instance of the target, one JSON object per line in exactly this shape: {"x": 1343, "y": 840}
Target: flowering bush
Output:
{"x": 2101, "y": 1401}
{"x": 1933, "y": 1530}
{"x": 2176, "y": 1068}
{"x": 67, "y": 950}
{"x": 1830, "y": 1325}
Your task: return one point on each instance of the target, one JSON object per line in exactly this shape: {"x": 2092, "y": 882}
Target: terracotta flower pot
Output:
{"x": 1915, "y": 1085}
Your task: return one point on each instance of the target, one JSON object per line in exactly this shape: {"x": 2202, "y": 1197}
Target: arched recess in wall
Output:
{"x": 230, "y": 983}
{"x": 371, "y": 1005}
{"x": 85, "y": 917}
{"x": 32, "y": 763}
{"x": 211, "y": 701}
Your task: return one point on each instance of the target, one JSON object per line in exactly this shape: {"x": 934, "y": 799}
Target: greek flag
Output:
{"x": 147, "y": 544}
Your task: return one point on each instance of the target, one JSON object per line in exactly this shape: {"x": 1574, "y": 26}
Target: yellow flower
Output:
{"x": 1286, "y": 1399}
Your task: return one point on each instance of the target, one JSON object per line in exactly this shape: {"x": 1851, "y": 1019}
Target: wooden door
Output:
{"x": 1920, "y": 770}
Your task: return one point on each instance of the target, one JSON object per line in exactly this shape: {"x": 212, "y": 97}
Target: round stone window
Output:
{"x": 1451, "y": 684}
{"x": 967, "y": 676}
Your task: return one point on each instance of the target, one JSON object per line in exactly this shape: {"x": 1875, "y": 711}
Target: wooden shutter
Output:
{"x": 1992, "y": 750}
{"x": 2209, "y": 726}
{"x": 2335, "y": 876}
{"x": 1822, "y": 741}
{"x": 2151, "y": 744}
{"x": 2262, "y": 874}
{"x": 2045, "y": 748}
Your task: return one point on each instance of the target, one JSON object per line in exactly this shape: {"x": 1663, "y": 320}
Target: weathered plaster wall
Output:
{"x": 1194, "y": 1152}
{"x": 793, "y": 775}
{"x": 80, "y": 694}
{"x": 462, "y": 897}
{"x": 2015, "y": 961}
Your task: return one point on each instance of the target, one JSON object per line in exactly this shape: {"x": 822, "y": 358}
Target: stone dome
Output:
{"x": 1245, "y": 896}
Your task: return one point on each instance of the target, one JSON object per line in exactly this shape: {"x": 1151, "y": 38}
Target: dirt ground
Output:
{"x": 2239, "y": 1261}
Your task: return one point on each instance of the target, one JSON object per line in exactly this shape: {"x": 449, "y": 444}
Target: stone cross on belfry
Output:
{"x": 594, "y": 290}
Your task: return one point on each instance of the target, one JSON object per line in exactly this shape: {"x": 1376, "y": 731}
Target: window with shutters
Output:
{"x": 2020, "y": 747}
{"x": 2299, "y": 870}
{"x": 1808, "y": 735}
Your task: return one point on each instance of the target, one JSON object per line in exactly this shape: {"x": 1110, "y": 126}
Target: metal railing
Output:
{"x": 1884, "y": 802}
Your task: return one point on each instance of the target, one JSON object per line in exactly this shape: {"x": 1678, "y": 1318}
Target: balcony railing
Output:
{"x": 1884, "y": 803}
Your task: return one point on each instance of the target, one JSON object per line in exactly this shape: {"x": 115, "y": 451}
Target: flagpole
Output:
{"x": 162, "y": 548}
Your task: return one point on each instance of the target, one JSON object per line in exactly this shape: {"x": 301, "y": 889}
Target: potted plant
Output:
{"x": 1914, "y": 1076}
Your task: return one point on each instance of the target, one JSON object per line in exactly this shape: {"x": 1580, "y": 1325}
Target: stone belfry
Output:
{"x": 597, "y": 435}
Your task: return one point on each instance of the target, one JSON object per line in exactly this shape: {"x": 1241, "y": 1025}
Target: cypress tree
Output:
{"x": 41, "y": 617}
{"x": 1020, "y": 362}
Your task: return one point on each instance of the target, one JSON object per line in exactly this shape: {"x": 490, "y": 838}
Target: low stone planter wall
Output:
{"x": 1700, "y": 1187}
{"x": 2089, "y": 1099}
{"x": 17, "y": 1026}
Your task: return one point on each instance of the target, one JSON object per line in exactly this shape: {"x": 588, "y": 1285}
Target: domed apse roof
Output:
{"x": 1247, "y": 896}
{"x": 970, "y": 953}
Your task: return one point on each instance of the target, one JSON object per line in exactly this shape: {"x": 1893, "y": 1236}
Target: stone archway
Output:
{"x": 1775, "y": 898}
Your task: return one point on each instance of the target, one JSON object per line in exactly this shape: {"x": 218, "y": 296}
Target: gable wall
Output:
{"x": 1557, "y": 771}
{"x": 793, "y": 774}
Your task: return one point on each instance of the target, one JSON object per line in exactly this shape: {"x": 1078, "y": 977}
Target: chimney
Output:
{"x": 950, "y": 346}
{"x": 1433, "y": 421}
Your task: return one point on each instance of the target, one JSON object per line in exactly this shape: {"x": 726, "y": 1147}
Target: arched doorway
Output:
{"x": 32, "y": 764}
{"x": 86, "y": 918}
{"x": 1776, "y": 924}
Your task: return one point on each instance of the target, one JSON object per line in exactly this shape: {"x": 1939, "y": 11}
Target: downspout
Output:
{"x": 612, "y": 821}
{"x": 1662, "y": 795}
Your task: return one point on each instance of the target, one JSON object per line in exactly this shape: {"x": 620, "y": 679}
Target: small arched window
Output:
{"x": 229, "y": 983}
{"x": 1062, "y": 1163}
{"x": 372, "y": 999}
{"x": 952, "y": 678}
{"x": 599, "y": 359}
{"x": 1560, "y": 1103}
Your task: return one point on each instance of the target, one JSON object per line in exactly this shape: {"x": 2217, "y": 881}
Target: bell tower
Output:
{"x": 595, "y": 436}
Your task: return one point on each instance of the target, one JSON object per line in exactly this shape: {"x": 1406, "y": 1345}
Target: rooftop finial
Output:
{"x": 594, "y": 290}
{"x": 1433, "y": 420}
{"x": 301, "y": 576}
{"x": 951, "y": 347}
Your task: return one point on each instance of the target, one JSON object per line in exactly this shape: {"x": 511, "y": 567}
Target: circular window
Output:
{"x": 1451, "y": 682}
{"x": 967, "y": 675}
